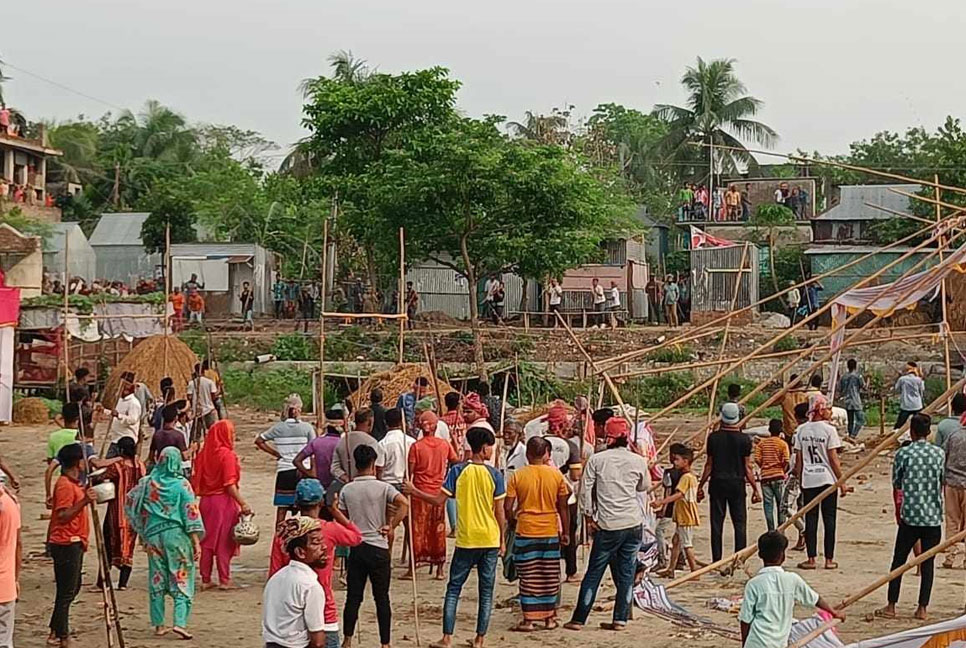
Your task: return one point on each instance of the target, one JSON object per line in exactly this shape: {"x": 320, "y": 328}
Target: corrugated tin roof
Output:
{"x": 55, "y": 242}
{"x": 213, "y": 249}
{"x": 119, "y": 229}
{"x": 853, "y": 198}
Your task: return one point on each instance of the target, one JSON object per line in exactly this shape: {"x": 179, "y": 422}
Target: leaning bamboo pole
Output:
{"x": 785, "y": 332}
{"x": 896, "y": 212}
{"x": 832, "y": 352}
{"x": 320, "y": 414}
{"x": 403, "y": 306}
{"x": 727, "y": 329}
{"x": 409, "y": 537}
{"x": 944, "y": 330}
{"x": 885, "y": 444}
{"x": 932, "y": 201}
{"x": 606, "y": 363}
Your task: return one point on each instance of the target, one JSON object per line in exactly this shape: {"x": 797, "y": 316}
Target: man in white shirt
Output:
{"x": 600, "y": 302}
{"x": 395, "y": 447}
{"x": 794, "y": 297}
{"x": 555, "y": 292}
{"x": 816, "y": 445}
{"x": 614, "y": 303}
{"x": 293, "y": 600}
{"x": 202, "y": 392}
{"x": 127, "y": 415}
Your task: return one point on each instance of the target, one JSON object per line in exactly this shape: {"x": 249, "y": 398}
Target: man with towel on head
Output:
{"x": 565, "y": 455}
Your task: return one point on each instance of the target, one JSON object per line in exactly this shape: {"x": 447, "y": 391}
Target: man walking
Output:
{"x": 671, "y": 295}
{"x": 951, "y": 437}
{"x": 728, "y": 467}
{"x": 911, "y": 390}
{"x": 608, "y": 495}
{"x": 600, "y": 302}
{"x": 850, "y": 390}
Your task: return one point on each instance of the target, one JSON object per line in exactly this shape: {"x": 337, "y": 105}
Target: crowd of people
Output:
{"x": 732, "y": 205}
{"x": 519, "y": 502}
{"x": 669, "y": 299}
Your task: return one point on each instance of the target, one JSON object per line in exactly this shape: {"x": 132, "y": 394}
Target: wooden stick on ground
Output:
{"x": 847, "y": 475}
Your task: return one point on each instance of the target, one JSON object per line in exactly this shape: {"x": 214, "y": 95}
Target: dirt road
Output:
{"x": 232, "y": 619}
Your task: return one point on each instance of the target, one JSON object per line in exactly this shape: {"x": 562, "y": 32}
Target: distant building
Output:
{"x": 120, "y": 252}
{"x": 22, "y": 261}
{"x": 223, "y": 268}
{"x": 81, "y": 258}
{"x": 23, "y": 177}
{"x": 852, "y": 218}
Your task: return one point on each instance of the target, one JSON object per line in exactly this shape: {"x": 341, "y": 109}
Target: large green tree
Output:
{"x": 717, "y": 112}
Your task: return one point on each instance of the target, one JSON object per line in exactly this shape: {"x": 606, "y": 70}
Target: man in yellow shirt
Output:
{"x": 537, "y": 499}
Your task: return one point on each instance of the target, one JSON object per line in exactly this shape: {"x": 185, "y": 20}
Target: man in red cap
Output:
{"x": 612, "y": 479}
{"x": 565, "y": 454}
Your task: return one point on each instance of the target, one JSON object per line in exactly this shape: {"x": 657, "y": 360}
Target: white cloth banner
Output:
{"x": 7, "y": 334}
{"x": 884, "y": 299}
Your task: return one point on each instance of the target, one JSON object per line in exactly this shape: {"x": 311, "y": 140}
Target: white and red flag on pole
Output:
{"x": 701, "y": 239}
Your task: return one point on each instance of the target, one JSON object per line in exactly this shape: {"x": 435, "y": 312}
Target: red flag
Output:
{"x": 701, "y": 239}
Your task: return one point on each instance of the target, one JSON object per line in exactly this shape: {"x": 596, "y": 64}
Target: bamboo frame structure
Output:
{"x": 727, "y": 329}
{"x": 847, "y": 475}
{"x": 166, "y": 325}
{"x": 402, "y": 315}
{"x": 409, "y": 536}
{"x": 895, "y": 212}
{"x": 944, "y": 329}
{"x": 320, "y": 414}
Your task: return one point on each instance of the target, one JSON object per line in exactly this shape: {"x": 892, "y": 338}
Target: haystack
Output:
{"x": 30, "y": 411}
{"x": 146, "y": 360}
{"x": 395, "y": 383}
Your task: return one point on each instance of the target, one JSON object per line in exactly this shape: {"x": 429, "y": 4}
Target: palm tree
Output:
{"x": 718, "y": 113}
{"x": 544, "y": 129}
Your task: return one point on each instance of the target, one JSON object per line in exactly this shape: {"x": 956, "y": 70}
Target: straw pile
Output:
{"x": 146, "y": 360}
{"x": 30, "y": 411}
{"x": 395, "y": 382}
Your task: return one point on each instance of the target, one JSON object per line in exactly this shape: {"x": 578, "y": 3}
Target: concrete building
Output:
{"x": 22, "y": 261}
{"x": 23, "y": 177}
{"x": 120, "y": 253}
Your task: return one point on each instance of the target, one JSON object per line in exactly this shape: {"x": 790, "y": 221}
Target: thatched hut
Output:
{"x": 147, "y": 361}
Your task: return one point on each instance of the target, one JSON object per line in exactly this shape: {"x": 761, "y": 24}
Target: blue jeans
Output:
{"x": 451, "y": 513}
{"x": 464, "y": 560}
{"x": 771, "y": 497}
{"x": 617, "y": 549}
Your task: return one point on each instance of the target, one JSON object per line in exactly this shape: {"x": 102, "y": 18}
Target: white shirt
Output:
{"x": 615, "y": 297}
{"x": 128, "y": 421}
{"x": 395, "y": 445}
{"x": 292, "y": 606}
{"x": 599, "y": 294}
{"x": 556, "y": 293}
{"x": 205, "y": 402}
{"x": 814, "y": 440}
{"x": 516, "y": 459}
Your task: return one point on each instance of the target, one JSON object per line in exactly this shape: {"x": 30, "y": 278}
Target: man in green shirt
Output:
{"x": 70, "y": 413}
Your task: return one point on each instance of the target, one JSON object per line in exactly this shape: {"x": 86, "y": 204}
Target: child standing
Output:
{"x": 665, "y": 515}
{"x": 769, "y": 601}
{"x": 685, "y": 514}
{"x": 772, "y": 455}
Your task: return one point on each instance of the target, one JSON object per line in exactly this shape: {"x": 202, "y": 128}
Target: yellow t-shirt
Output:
{"x": 477, "y": 488}
{"x": 536, "y": 489}
{"x": 686, "y": 509}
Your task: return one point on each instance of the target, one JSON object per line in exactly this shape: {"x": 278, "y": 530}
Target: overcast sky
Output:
{"x": 829, "y": 71}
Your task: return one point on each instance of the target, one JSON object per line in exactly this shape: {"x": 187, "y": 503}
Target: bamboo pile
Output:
{"x": 397, "y": 381}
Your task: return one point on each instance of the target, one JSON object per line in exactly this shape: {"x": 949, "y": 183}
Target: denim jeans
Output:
{"x": 451, "y": 513}
{"x": 856, "y": 419}
{"x": 617, "y": 549}
{"x": 771, "y": 497}
{"x": 463, "y": 562}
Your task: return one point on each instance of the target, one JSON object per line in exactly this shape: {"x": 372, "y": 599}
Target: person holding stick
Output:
{"x": 951, "y": 437}
{"x": 917, "y": 471}
{"x": 365, "y": 501}
{"x": 768, "y": 605}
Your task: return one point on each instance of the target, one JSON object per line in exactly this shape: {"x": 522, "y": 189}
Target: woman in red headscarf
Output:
{"x": 429, "y": 459}
{"x": 216, "y": 473}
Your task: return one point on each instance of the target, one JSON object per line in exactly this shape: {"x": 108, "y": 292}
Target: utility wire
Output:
{"x": 61, "y": 85}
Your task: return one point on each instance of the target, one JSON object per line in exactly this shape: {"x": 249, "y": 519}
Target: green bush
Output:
{"x": 295, "y": 346}
{"x": 788, "y": 343}
{"x": 266, "y": 389}
{"x": 673, "y": 353}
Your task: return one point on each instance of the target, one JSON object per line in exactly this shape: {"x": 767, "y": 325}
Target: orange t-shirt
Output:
{"x": 196, "y": 303}
{"x": 177, "y": 302}
{"x": 67, "y": 493}
{"x": 9, "y": 531}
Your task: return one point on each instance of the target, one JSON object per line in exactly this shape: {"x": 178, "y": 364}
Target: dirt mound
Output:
{"x": 30, "y": 411}
{"x": 147, "y": 361}
{"x": 396, "y": 382}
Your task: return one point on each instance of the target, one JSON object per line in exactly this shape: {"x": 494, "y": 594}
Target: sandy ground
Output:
{"x": 232, "y": 619}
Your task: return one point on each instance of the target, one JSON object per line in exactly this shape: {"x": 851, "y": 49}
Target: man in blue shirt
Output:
{"x": 917, "y": 472}
{"x": 407, "y": 401}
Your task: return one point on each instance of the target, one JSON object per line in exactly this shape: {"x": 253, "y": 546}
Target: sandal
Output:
{"x": 181, "y": 632}
{"x": 831, "y": 564}
{"x": 882, "y": 613}
{"x": 523, "y": 627}
{"x": 807, "y": 565}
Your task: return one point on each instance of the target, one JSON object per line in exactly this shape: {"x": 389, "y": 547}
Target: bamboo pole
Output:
{"x": 607, "y": 362}
{"x": 610, "y": 383}
{"x": 167, "y": 295}
{"x": 499, "y": 440}
{"x": 931, "y": 201}
{"x": 944, "y": 329}
{"x": 815, "y": 634}
{"x": 377, "y": 316}
{"x": 402, "y": 295}
{"x": 320, "y": 414}
{"x": 727, "y": 329}
{"x": 409, "y": 536}
{"x": 847, "y": 475}
{"x": 785, "y": 332}
{"x": 66, "y": 336}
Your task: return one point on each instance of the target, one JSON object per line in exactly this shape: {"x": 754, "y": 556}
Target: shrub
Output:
{"x": 788, "y": 343}
{"x": 295, "y": 346}
{"x": 672, "y": 353}
{"x": 266, "y": 389}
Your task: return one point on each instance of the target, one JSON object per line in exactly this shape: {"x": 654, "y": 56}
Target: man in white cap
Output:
{"x": 728, "y": 467}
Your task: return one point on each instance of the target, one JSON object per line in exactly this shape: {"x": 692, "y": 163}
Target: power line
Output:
{"x": 62, "y": 86}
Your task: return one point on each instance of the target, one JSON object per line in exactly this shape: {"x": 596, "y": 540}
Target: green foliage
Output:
{"x": 770, "y": 215}
{"x": 674, "y": 354}
{"x": 663, "y": 389}
{"x": 266, "y": 388}
{"x": 788, "y": 343}
{"x": 168, "y": 207}
{"x": 84, "y": 304}
{"x": 196, "y": 340}
{"x": 678, "y": 261}
{"x": 16, "y": 219}
{"x": 295, "y": 346}
{"x": 539, "y": 385}
{"x": 893, "y": 229}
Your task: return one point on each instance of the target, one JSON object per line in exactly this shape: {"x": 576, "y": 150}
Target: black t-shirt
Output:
{"x": 670, "y": 481}
{"x": 166, "y": 438}
{"x": 379, "y": 428}
{"x": 728, "y": 450}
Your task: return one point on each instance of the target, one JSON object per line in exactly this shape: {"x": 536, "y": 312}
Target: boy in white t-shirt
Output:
{"x": 817, "y": 467}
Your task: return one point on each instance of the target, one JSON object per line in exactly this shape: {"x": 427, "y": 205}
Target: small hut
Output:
{"x": 147, "y": 362}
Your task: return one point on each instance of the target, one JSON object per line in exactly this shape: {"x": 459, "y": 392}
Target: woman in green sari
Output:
{"x": 163, "y": 512}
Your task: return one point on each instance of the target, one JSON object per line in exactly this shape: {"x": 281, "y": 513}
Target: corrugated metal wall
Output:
{"x": 822, "y": 263}
{"x": 712, "y": 290}
{"x": 126, "y": 263}
{"x": 443, "y": 289}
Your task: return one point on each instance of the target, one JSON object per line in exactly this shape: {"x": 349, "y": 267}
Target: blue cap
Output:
{"x": 308, "y": 492}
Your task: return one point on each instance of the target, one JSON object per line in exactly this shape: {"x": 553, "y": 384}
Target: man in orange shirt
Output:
{"x": 67, "y": 536}
{"x": 10, "y": 552}
{"x": 177, "y": 303}
{"x": 196, "y": 308}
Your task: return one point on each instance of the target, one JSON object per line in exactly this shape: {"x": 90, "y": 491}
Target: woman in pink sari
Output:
{"x": 216, "y": 473}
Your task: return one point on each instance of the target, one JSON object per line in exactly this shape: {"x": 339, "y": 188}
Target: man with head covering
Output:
{"x": 338, "y": 532}
{"x": 565, "y": 455}
{"x": 608, "y": 495}
{"x": 428, "y": 404}
{"x": 293, "y": 602}
{"x": 127, "y": 415}
{"x": 728, "y": 466}
{"x": 429, "y": 459}
{"x": 476, "y": 415}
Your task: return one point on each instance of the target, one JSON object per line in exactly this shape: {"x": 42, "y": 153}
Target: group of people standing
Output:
{"x": 668, "y": 299}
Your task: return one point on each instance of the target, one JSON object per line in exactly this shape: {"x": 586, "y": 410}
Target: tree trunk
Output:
{"x": 474, "y": 312}
{"x": 771, "y": 260}
{"x": 373, "y": 274}
{"x": 525, "y": 297}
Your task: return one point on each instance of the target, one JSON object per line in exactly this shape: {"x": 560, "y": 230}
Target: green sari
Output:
{"x": 162, "y": 511}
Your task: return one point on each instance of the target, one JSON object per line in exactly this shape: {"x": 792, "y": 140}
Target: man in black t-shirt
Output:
{"x": 728, "y": 467}
{"x": 379, "y": 428}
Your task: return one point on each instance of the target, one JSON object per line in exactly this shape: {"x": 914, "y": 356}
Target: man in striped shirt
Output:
{"x": 771, "y": 456}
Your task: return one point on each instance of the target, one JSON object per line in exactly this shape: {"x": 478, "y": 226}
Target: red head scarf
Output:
{"x": 216, "y": 467}
{"x": 616, "y": 428}
{"x": 428, "y": 421}
{"x": 557, "y": 419}
{"x": 472, "y": 401}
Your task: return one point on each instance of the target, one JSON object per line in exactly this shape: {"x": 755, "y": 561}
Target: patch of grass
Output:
{"x": 295, "y": 346}
{"x": 266, "y": 389}
{"x": 788, "y": 343}
{"x": 673, "y": 353}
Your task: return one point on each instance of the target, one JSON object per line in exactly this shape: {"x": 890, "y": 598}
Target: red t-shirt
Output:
{"x": 333, "y": 534}
{"x": 9, "y": 531}
{"x": 67, "y": 493}
{"x": 428, "y": 460}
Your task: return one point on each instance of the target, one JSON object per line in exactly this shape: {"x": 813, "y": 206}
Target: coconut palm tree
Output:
{"x": 544, "y": 129}
{"x": 717, "y": 113}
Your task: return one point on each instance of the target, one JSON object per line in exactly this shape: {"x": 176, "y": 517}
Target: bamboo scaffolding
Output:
{"x": 727, "y": 329}
{"x": 607, "y": 362}
{"x": 896, "y": 212}
{"x": 66, "y": 336}
{"x": 409, "y": 536}
{"x": 847, "y": 475}
{"x": 402, "y": 293}
{"x": 166, "y": 325}
{"x": 785, "y": 332}
{"x": 377, "y": 316}
{"x": 932, "y": 201}
{"x": 320, "y": 414}
{"x": 944, "y": 330}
